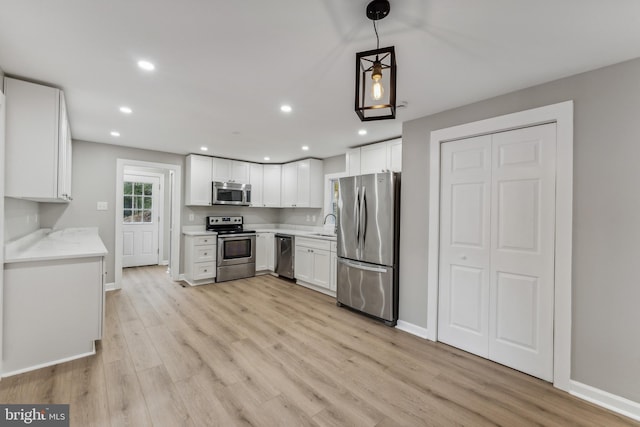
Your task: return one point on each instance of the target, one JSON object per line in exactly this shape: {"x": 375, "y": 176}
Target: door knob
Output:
{"x": 463, "y": 257}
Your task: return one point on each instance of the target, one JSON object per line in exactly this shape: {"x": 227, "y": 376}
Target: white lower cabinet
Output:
{"x": 265, "y": 252}
{"x": 200, "y": 259}
{"x": 313, "y": 263}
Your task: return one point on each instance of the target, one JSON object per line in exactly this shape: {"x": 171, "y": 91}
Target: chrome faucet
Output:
{"x": 335, "y": 222}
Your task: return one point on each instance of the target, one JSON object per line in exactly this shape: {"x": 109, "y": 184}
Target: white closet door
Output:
{"x": 522, "y": 249}
{"x": 465, "y": 244}
{"x": 497, "y": 232}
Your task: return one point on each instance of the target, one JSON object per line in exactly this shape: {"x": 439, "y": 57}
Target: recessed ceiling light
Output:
{"x": 126, "y": 110}
{"x": 267, "y": 158}
{"x": 146, "y": 65}
{"x": 115, "y": 133}
{"x": 305, "y": 148}
{"x": 362, "y": 132}
{"x": 203, "y": 148}
{"x": 285, "y": 108}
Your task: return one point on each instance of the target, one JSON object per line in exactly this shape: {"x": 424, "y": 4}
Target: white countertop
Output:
{"x": 47, "y": 244}
{"x": 200, "y": 231}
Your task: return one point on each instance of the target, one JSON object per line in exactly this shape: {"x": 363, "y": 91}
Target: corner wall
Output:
{"x": 606, "y": 226}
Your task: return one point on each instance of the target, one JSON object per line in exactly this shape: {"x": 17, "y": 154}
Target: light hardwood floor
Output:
{"x": 266, "y": 352}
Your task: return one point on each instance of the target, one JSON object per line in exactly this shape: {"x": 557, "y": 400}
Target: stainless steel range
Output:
{"x": 236, "y": 248}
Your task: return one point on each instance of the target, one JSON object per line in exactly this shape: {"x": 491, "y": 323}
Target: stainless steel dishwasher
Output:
{"x": 285, "y": 250}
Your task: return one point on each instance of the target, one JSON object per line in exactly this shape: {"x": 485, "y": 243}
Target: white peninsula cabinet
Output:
{"x": 38, "y": 143}
{"x": 313, "y": 264}
{"x": 302, "y": 184}
{"x": 53, "y": 299}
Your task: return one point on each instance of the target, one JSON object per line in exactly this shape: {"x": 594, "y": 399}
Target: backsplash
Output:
{"x": 21, "y": 217}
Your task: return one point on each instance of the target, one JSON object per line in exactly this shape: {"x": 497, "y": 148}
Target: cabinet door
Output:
{"x": 353, "y": 162}
{"x": 261, "y": 252}
{"x": 221, "y": 169}
{"x": 373, "y": 158}
{"x": 240, "y": 172}
{"x": 198, "y": 181}
{"x": 270, "y": 243}
{"x": 271, "y": 186}
{"x": 395, "y": 155}
{"x": 303, "y": 264}
{"x": 256, "y": 172}
{"x": 303, "y": 184}
{"x": 289, "y": 184}
{"x": 334, "y": 271}
{"x": 64, "y": 153}
{"x": 321, "y": 268}
{"x": 32, "y": 140}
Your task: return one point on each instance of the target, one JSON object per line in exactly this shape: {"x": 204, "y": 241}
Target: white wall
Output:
{"x": 606, "y": 225}
{"x": 21, "y": 217}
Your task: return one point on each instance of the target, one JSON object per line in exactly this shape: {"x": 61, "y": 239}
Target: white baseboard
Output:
{"x": 181, "y": 277}
{"x": 412, "y": 329}
{"x": 110, "y": 287}
{"x": 613, "y": 402}
{"x": 165, "y": 262}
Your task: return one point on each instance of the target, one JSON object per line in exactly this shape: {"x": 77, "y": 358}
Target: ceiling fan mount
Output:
{"x": 378, "y": 9}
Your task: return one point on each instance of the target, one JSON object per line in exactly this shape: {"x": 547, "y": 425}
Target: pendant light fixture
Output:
{"x": 376, "y": 74}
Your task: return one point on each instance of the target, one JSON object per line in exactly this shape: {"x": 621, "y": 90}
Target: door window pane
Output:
{"x": 138, "y": 203}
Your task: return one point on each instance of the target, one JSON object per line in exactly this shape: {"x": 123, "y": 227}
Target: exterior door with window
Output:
{"x": 140, "y": 227}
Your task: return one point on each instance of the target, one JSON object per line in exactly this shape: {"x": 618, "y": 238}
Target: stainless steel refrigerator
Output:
{"x": 368, "y": 234}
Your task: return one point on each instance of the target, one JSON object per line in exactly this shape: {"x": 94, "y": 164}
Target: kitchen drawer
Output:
{"x": 204, "y": 253}
{"x": 204, "y": 240}
{"x": 313, "y": 243}
{"x": 334, "y": 246}
{"x": 204, "y": 270}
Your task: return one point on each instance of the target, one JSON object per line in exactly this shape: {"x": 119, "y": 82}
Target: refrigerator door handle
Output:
{"x": 363, "y": 215}
{"x": 361, "y": 266}
{"x": 356, "y": 214}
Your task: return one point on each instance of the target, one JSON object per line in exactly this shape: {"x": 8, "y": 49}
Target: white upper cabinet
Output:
{"x": 256, "y": 179}
{"x": 302, "y": 184}
{"x": 395, "y": 155}
{"x": 271, "y": 186}
{"x": 353, "y": 161}
{"x": 38, "y": 143}
{"x": 198, "y": 180}
{"x": 374, "y": 158}
{"x": 225, "y": 170}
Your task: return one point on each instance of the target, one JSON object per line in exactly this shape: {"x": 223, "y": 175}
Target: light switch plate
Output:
{"x": 102, "y": 206}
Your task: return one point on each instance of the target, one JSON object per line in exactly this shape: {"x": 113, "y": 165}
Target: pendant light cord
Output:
{"x": 375, "y": 28}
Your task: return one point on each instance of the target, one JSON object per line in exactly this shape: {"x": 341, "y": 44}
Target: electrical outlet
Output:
{"x": 308, "y": 218}
{"x": 192, "y": 217}
{"x": 102, "y": 206}
{"x": 313, "y": 218}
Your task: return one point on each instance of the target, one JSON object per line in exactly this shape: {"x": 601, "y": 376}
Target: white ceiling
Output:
{"x": 224, "y": 67}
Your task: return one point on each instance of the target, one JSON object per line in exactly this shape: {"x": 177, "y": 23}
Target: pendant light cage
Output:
{"x": 366, "y": 106}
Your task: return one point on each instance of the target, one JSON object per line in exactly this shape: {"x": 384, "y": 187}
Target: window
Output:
{"x": 138, "y": 203}
{"x": 332, "y": 190}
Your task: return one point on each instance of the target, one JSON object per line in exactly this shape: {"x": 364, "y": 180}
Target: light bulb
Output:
{"x": 377, "y": 90}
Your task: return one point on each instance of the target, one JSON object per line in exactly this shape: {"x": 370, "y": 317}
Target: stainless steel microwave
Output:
{"x": 230, "y": 193}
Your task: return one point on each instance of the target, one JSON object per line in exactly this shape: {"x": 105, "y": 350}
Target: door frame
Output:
{"x": 175, "y": 174}
{"x": 562, "y": 115}
{"x": 161, "y": 213}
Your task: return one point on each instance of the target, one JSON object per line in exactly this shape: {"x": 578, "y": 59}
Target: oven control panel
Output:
{"x": 224, "y": 220}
